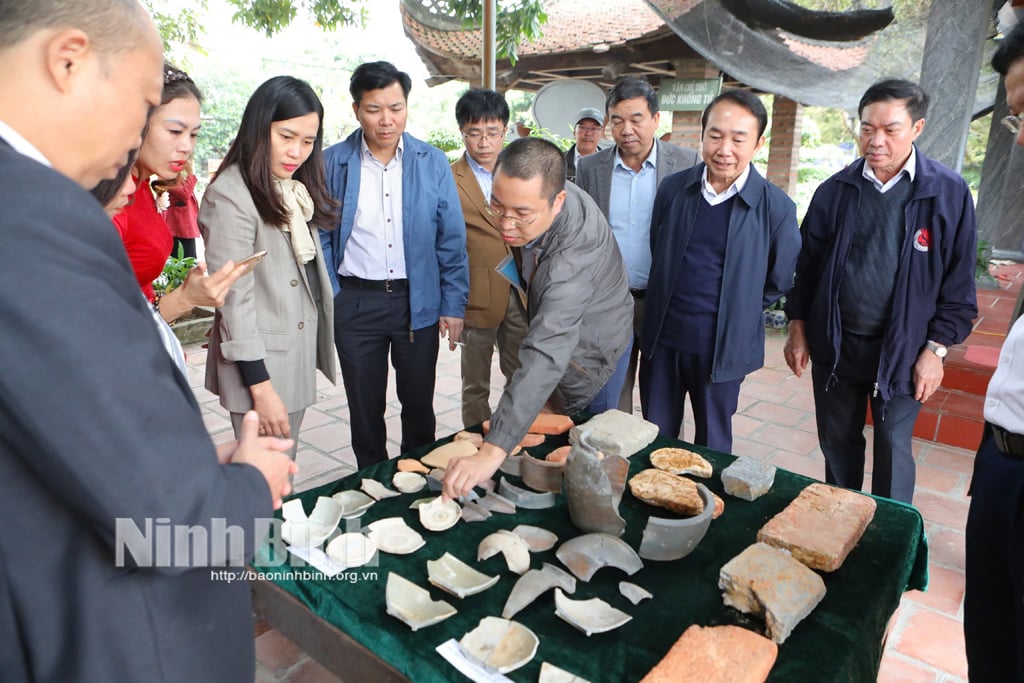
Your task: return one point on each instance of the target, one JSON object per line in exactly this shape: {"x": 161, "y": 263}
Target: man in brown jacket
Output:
{"x": 495, "y": 312}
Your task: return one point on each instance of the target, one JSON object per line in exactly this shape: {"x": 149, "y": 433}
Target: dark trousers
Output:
{"x": 629, "y": 381}
{"x": 608, "y": 397}
{"x": 187, "y": 246}
{"x": 994, "y": 596}
{"x": 840, "y": 407}
{"x": 668, "y": 376}
{"x": 368, "y": 324}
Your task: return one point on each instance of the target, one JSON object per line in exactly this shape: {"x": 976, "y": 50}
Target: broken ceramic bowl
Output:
{"x": 351, "y": 550}
{"x": 593, "y": 488}
{"x": 454, "y": 576}
{"x": 438, "y": 514}
{"x": 589, "y": 616}
{"x": 393, "y": 535}
{"x": 524, "y": 498}
{"x": 668, "y": 539}
{"x": 408, "y": 482}
{"x": 353, "y": 503}
{"x": 515, "y": 550}
{"x": 495, "y": 502}
{"x": 377, "y": 490}
{"x": 634, "y": 593}
{"x": 585, "y": 554}
{"x": 549, "y": 673}
{"x": 474, "y": 512}
{"x": 410, "y": 603}
{"x": 541, "y": 475}
{"x": 440, "y": 456}
{"x": 298, "y": 529}
{"x": 535, "y": 583}
{"x": 499, "y": 644}
{"x": 537, "y": 538}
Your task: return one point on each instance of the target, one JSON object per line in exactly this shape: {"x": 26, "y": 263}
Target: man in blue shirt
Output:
{"x": 397, "y": 262}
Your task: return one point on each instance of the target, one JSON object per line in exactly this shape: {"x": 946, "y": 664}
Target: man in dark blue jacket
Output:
{"x": 724, "y": 243}
{"x": 884, "y": 285}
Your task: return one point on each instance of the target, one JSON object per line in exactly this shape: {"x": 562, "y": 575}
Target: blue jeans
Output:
{"x": 608, "y": 397}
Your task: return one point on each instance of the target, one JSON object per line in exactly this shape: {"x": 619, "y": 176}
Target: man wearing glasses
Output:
{"x": 588, "y": 130}
{"x": 579, "y": 306}
{"x": 994, "y": 595}
{"x": 496, "y": 312}
{"x": 884, "y": 285}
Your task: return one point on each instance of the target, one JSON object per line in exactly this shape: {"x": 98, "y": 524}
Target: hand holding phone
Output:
{"x": 250, "y": 262}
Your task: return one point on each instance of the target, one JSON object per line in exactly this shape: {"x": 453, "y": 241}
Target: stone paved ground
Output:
{"x": 775, "y": 423}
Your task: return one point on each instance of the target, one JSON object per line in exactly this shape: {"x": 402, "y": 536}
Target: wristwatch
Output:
{"x": 938, "y": 349}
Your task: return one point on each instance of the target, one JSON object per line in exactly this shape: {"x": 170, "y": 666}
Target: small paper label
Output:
{"x": 317, "y": 558}
{"x": 470, "y": 668}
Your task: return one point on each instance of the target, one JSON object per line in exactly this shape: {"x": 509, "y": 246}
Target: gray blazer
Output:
{"x": 275, "y": 314}
{"x": 594, "y": 176}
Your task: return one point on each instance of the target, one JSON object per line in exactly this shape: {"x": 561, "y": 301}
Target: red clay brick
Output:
{"x": 971, "y": 406}
{"x": 935, "y": 639}
{"x": 945, "y": 591}
{"x": 968, "y": 376}
{"x": 960, "y": 431}
{"x": 927, "y": 424}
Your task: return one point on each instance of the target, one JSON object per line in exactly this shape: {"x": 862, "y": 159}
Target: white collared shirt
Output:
{"x": 483, "y": 177}
{"x": 1004, "y": 401}
{"x": 715, "y": 198}
{"x": 630, "y": 204}
{"x": 910, "y": 168}
{"x": 22, "y": 146}
{"x": 376, "y": 248}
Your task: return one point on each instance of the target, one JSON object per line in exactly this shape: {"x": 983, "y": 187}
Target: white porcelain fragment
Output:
{"x": 438, "y": 515}
{"x": 549, "y": 673}
{"x": 408, "y": 482}
{"x": 585, "y": 554}
{"x": 411, "y": 604}
{"x": 499, "y": 644}
{"x": 377, "y": 490}
{"x": 353, "y": 503}
{"x": 634, "y": 593}
{"x": 535, "y": 583}
{"x": 351, "y": 550}
{"x": 524, "y": 498}
{"x": 311, "y": 531}
{"x": 537, "y": 538}
{"x": 515, "y": 550}
{"x": 589, "y": 616}
{"x": 393, "y": 535}
{"x": 454, "y": 576}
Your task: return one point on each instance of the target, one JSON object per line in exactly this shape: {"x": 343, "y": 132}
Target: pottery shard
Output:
{"x": 681, "y": 461}
{"x": 748, "y": 478}
{"x": 656, "y": 487}
{"x": 723, "y": 654}
{"x": 614, "y": 432}
{"x": 531, "y": 440}
{"x": 440, "y": 456}
{"x": 821, "y": 526}
{"x": 549, "y": 423}
{"x": 472, "y": 437}
{"x": 559, "y": 454}
{"x": 769, "y": 583}
{"x": 412, "y": 465}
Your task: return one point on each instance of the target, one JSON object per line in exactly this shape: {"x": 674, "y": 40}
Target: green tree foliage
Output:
{"x": 177, "y": 25}
{"x": 271, "y": 16}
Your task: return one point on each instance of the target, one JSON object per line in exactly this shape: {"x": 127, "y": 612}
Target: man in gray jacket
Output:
{"x": 579, "y": 307}
{"x": 624, "y": 180}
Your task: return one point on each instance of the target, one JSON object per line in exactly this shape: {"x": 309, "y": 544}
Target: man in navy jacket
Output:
{"x": 397, "y": 262}
{"x": 724, "y": 243}
{"x": 884, "y": 285}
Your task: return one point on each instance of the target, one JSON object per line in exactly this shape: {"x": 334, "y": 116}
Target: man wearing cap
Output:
{"x": 587, "y": 129}
{"x": 623, "y": 180}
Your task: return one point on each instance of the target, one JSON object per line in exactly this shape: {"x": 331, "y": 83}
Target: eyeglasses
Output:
{"x": 516, "y": 222}
{"x": 476, "y": 136}
{"x": 589, "y": 129}
{"x": 1013, "y": 123}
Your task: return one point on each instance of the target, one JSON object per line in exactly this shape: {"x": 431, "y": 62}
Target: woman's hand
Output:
{"x": 270, "y": 407}
{"x": 201, "y": 289}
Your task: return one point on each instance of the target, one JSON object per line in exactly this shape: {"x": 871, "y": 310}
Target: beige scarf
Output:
{"x": 300, "y": 211}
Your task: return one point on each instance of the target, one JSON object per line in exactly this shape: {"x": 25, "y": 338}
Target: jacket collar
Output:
{"x": 751, "y": 193}
{"x": 351, "y": 147}
{"x": 925, "y": 183}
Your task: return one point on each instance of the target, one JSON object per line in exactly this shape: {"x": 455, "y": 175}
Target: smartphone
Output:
{"x": 251, "y": 261}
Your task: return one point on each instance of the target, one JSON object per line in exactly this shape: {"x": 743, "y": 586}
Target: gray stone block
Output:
{"x": 748, "y": 478}
{"x": 614, "y": 432}
{"x": 768, "y": 583}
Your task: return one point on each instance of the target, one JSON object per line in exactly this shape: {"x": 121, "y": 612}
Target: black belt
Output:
{"x": 389, "y": 286}
{"x": 638, "y": 293}
{"x": 1008, "y": 443}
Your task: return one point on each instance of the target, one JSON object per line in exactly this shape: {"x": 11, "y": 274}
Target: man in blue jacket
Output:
{"x": 397, "y": 262}
{"x": 724, "y": 242}
{"x": 884, "y": 285}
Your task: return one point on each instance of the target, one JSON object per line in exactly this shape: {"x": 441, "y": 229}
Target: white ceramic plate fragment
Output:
{"x": 377, "y": 490}
{"x": 353, "y": 503}
{"x": 408, "y": 482}
{"x": 393, "y": 535}
{"x": 549, "y": 673}
{"x": 409, "y": 603}
{"x": 454, "y": 576}
{"x": 500, "y": 644}
{"x": 537, "y": 538}
{"x": 514, "y": 548}
{"x": 298, "y": 529}
{"x": 351, "y": 550}
{"x": 589, "y": 616}
{"x": 438, "y": 515}
{"x": 634, "y": 593}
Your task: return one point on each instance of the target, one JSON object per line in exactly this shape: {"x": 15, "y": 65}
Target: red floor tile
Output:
{"x": 971, "y": 406}
{"x": 776, "y": 414}
{"x": 276, "y": 653}
{"x": 934, "y": 639}
{"x": 946, "y": 548}
{"x": 896, "y": 669}
{"x": 801, "y": 464}
{"x": 945, "y": 510}
{"x": 939, "y": 480}
{"x": 792, "y": 440}
{"x": 959, "y": 431}
{"x": 312, "y": 672}
{"x": 946, "y": 458}
{"x": 945, "y": 591}
{"x": 927, "y": 424}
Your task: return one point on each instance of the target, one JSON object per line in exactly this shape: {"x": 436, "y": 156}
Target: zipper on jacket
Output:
{"x": 875, "y": 394}
{"x": 410, "y": 334}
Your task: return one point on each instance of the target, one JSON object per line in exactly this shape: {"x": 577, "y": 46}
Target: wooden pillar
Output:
{"x": 784, "y": 151}
{"x": 686, "y": 124}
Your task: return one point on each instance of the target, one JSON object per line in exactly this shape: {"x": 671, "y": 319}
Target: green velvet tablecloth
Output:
{"x": 841, "y": 640}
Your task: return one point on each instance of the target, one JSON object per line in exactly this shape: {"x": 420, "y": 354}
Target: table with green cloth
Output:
{"x": 841, "y": 640}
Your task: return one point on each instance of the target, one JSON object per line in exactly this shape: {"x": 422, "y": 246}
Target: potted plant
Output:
{"x": 193, "y": 326}
{"x": 775, "y": 317}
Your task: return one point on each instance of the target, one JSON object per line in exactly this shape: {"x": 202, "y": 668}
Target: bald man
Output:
{"x": 103, "y": 452}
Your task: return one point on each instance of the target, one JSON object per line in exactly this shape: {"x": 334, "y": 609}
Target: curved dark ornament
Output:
{"x": 832, "y": 26}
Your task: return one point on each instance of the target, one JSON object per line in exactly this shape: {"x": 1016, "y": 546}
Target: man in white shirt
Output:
{"x": 994, "y": 595}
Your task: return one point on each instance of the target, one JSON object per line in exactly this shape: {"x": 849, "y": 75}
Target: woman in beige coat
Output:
{"x": 275, "y": 328}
